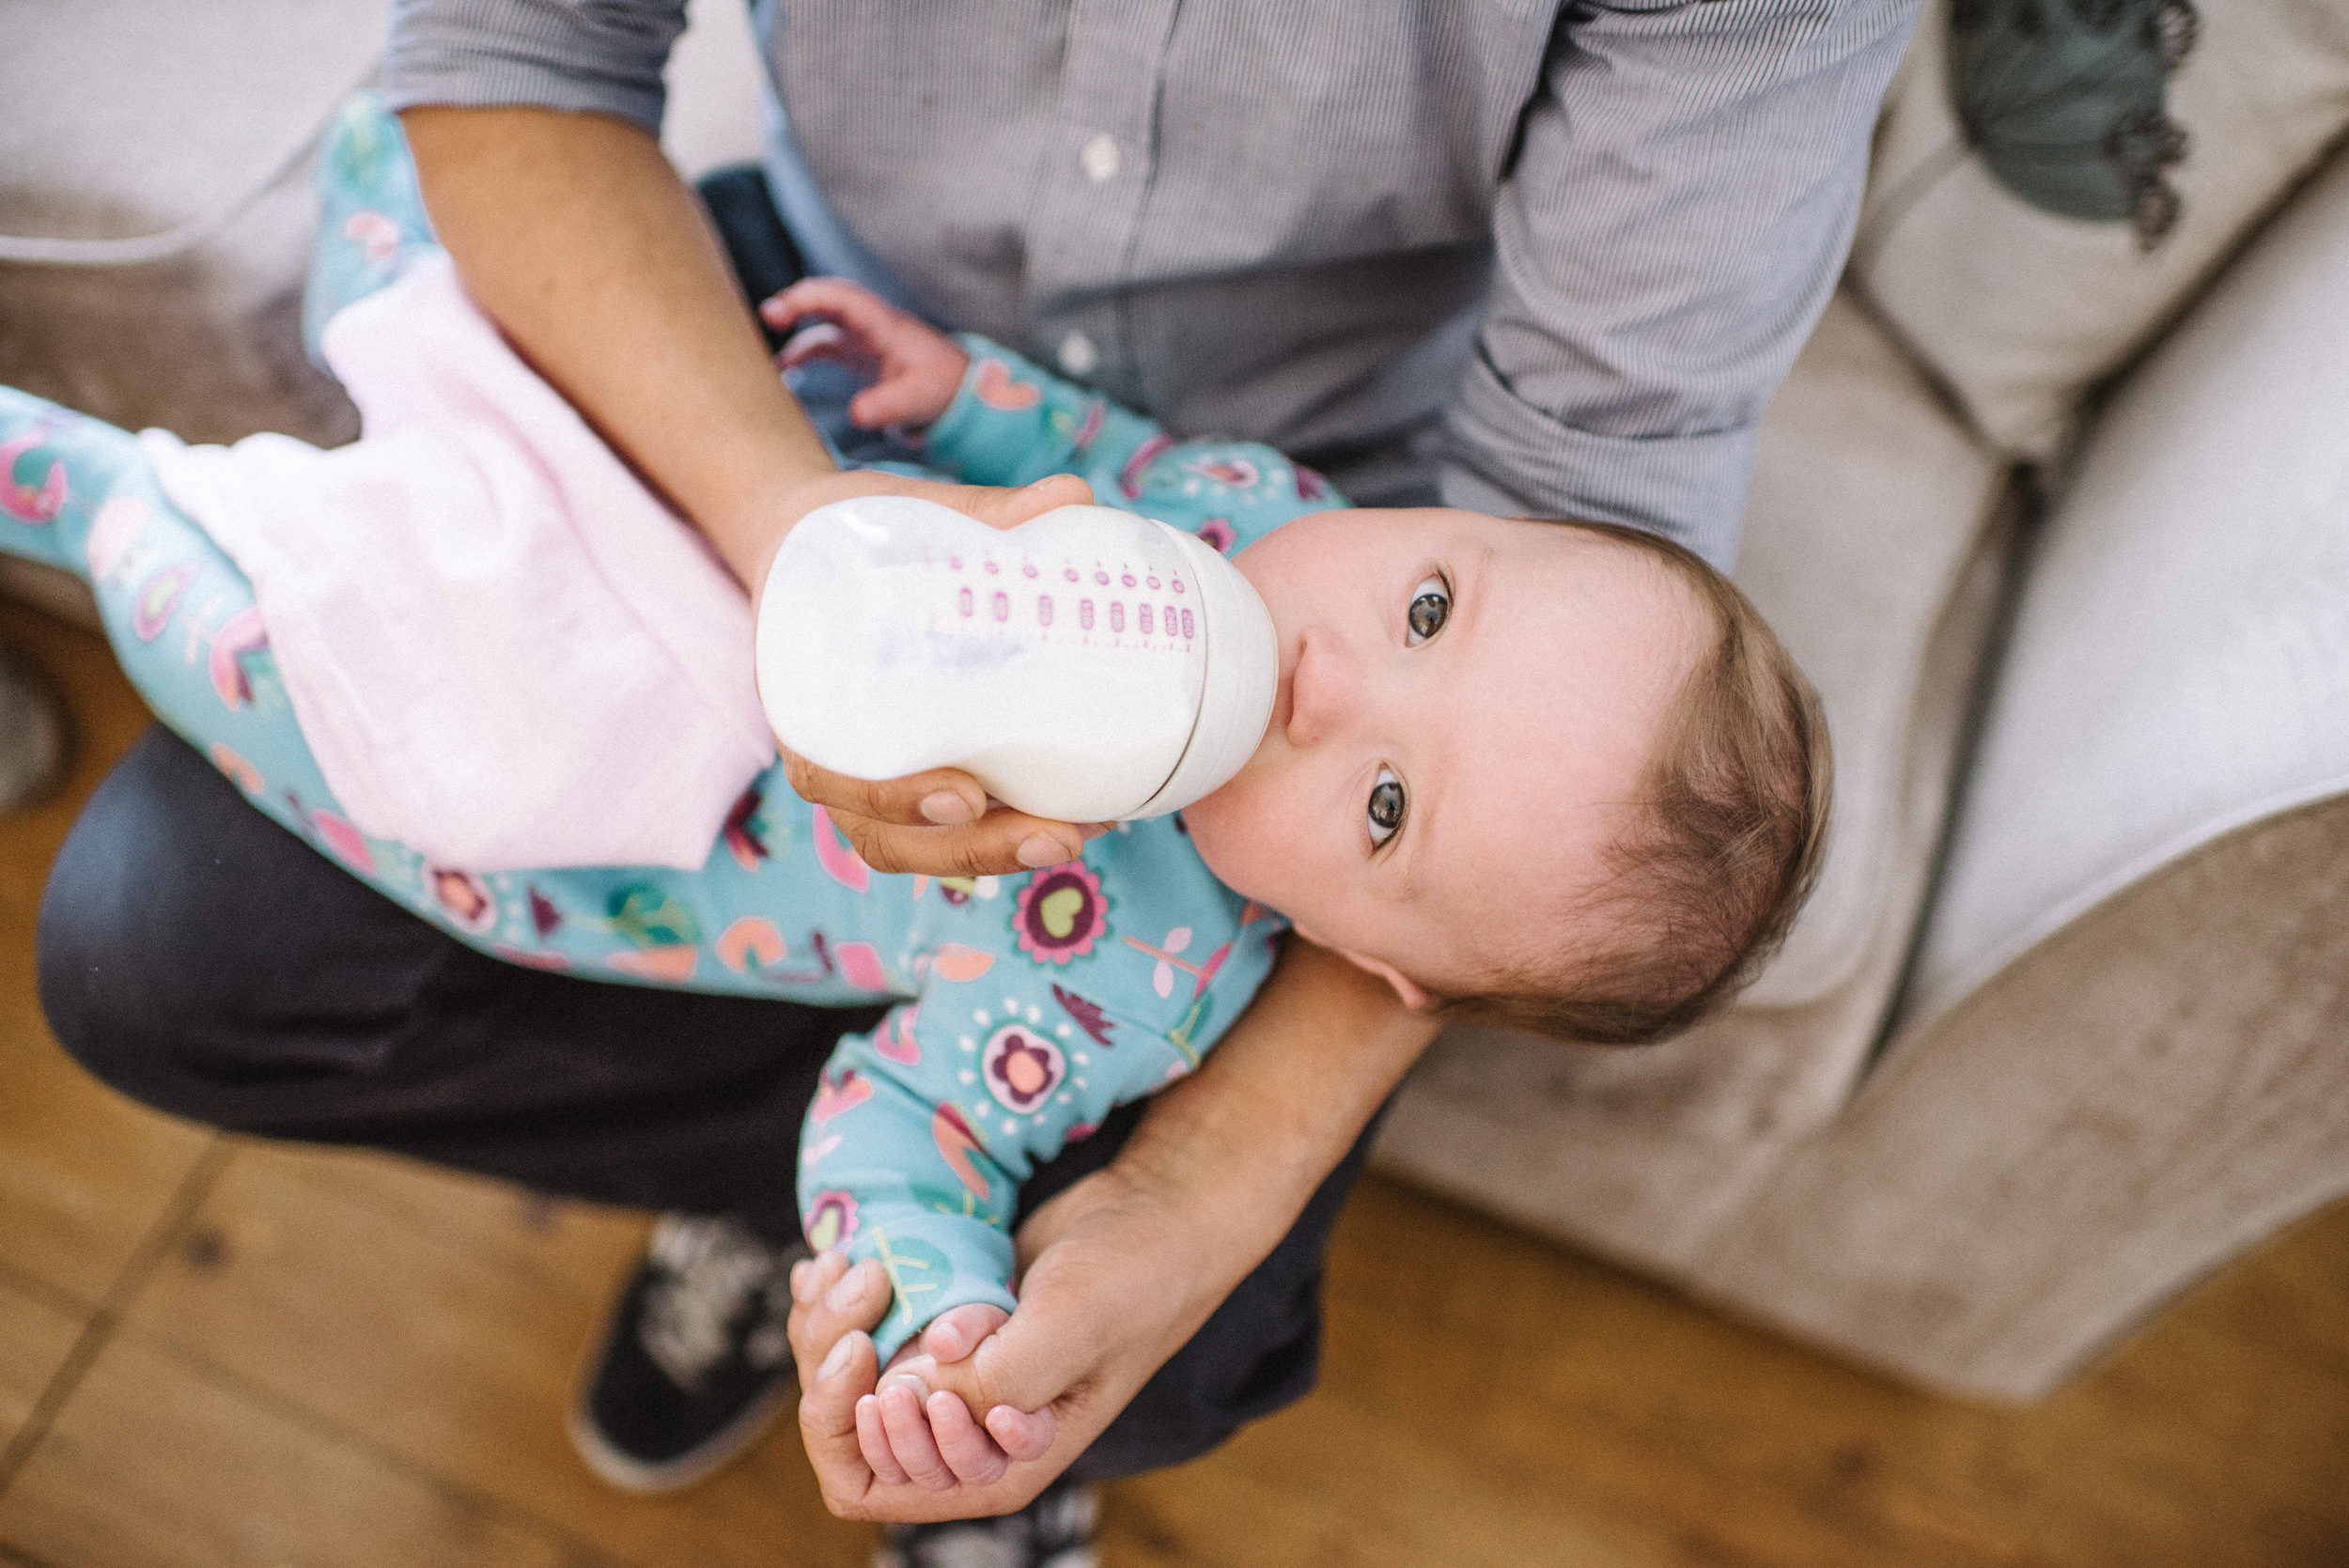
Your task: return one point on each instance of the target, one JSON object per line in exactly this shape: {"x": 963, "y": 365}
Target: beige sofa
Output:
{"x": 2054, "y": 506}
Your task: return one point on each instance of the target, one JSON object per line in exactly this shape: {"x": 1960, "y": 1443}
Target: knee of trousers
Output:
{"x": 161, "y": 945}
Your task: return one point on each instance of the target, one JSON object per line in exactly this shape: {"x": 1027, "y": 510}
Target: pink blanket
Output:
{"x": 503, "y": 650}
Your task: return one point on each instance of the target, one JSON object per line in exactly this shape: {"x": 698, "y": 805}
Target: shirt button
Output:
{"x": 1099, "y": 158}
{"x": 1077, "y": 356}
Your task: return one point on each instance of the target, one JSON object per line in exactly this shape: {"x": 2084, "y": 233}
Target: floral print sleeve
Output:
{"x": 922, "y": 1130}
{"x": 1013, "y": 424}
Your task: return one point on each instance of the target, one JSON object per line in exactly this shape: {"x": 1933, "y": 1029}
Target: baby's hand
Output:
{"x": 918, "y": 1425}
{"x": 916, "y": 369}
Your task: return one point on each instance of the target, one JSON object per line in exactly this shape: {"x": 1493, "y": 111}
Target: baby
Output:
{"x": 1555, "y": 776}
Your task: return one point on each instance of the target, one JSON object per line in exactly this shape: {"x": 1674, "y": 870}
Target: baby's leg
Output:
{"x": 371, "y": 218}
{"x": 78, "y": 493}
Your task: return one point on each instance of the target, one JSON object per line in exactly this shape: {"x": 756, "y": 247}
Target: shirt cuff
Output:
{"x": 542, "y": 54}
{"x": 1504, "y": 457}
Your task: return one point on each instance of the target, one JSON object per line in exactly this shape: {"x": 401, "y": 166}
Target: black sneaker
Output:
{"x": 1054, "y": 1532}
{"x": 697, "y": 1358}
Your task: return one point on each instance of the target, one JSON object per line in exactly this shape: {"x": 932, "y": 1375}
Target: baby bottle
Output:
{"x": 1089, "y": 665}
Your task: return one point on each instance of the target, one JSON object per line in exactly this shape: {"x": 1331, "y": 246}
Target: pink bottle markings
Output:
{"x": 962, "y": 601}
{"x": 1044, "y": 609}
{"x": 1117, "y": 615}
{"x": 1085, "y": 613}
{"x": 1003, "y": 604}
{"x": 1142, "y": 617}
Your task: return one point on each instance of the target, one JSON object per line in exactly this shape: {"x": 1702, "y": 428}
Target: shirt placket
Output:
{"x": 1089, "y": 204}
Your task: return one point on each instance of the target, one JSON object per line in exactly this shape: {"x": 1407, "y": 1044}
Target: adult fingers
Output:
{"x": 893, "y": 824}
{"x": 1022, "y": 1434}
{"x": 1010, "y": 508}
{"x": 954, "y": 1334}
{"x": 832, "y": 1299}
{"x": 829, "y": 1419}
{"x": 963, "y": 1443}
{"x": 939, "y": 798}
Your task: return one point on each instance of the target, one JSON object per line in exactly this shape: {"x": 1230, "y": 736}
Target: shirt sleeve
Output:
{"x": 1013, "y": 422}
{"x": 1678, "y": 210}
{"x": 600, "y": 56}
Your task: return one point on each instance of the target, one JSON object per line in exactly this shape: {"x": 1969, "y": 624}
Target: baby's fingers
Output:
{"x": 874, "y": 1442}
{"x": 910, "y": 1441}
{"x": 965, "y": 1446}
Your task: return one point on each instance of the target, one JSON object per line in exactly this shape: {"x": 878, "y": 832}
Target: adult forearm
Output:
{"x": 573, "y": 233}
{"x": 1238, "y": 1147}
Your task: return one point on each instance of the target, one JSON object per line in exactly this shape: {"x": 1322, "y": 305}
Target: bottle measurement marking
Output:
{"x": 1150, "y": 620}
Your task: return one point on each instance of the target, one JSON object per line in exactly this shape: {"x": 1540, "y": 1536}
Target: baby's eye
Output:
{"x": 1386, "y": 807}
{"x": 1431, "y": 605}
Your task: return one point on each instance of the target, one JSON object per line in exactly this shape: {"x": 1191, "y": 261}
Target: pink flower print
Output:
{"x": 957, "y": 962}
{"x": 1219, "y": 533}
{"x": 348, "y": 843}
{"x": 998, "y": 389}
{"x": 1062, "y": 912}
{"x": 552, "y": 962}
{"x": 376, "y": 235}
{"x": 1173, "y": 944}
{"x": 243, "y": 634}
{"x": 1310, "y": 485}
{"x": 955, "y": 1144}
{"x": 1236, "y": 472}
{"x": 840, "y": 1090}
{"x": 751, "y": 943}
{"x": 1090, "y": 427}
{"x": 40, "y": 502}
{"x": 464, "y": 897}
{"x": 1129, "y": 477}
{"x": 861, "y": 965}
{"x": 830, "y": 1220}
{"x": 669, "y": 963}
{"x": 111, "y": 533}
{"x": 245, "y": 776}
{"x": 893, "y": 1041}
{"x": 840, "y": 862}
{"x": 157, "y": 598}
{"x": 744, "y": 829}
{"x": 1021, "y": 1068}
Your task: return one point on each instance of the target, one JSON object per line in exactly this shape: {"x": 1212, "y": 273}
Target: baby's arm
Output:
{"x": 921, "y": 1132}
{"x": 993, "y": 418}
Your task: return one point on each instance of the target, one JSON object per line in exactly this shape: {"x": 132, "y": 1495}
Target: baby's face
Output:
{"x": 1467, "y": 705}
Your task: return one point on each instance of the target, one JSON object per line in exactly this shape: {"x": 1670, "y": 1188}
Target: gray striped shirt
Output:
{"x": 1541, "y": 258}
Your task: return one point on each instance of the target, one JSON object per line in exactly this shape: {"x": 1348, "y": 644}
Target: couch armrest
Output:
{"x": 2123, "y": 1056}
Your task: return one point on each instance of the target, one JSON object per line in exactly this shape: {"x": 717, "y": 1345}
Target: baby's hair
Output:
{"x": 1730, "y": 830}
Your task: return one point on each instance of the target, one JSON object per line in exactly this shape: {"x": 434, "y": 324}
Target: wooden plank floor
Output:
{"x": 214, "y": 1351}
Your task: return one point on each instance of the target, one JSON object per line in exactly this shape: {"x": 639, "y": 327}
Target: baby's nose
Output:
{"x": 1321, "y": 690}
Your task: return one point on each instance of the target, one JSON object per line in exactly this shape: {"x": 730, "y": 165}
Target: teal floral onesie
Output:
{"x": 1026, "y": 1006}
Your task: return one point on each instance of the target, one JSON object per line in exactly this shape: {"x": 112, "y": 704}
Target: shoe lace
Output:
{"x": 711, "y": 1276}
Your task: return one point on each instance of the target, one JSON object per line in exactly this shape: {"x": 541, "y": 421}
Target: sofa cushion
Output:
{"x": 2054, "y": 178}
{"x": 2180, "y": 665}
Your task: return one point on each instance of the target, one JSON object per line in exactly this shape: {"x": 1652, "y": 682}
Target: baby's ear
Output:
{"x": 1414, "y": 995}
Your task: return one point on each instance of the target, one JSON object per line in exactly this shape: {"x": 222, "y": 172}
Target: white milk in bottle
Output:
{"x": 1089, "y": 665}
